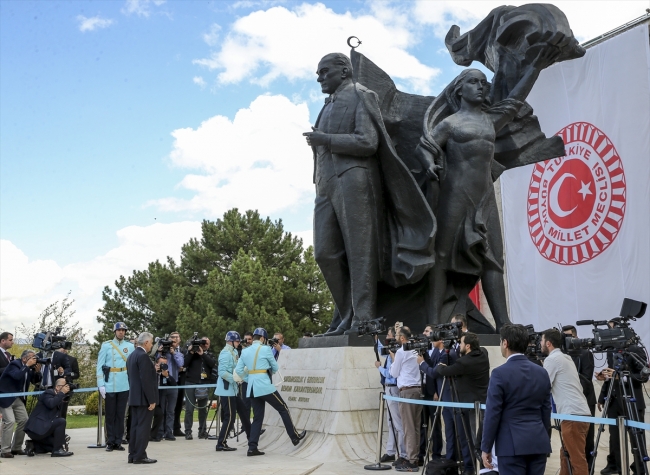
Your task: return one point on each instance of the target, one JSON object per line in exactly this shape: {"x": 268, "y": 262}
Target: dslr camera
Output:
{"x": 194, "y": 342}
{"x": 372, "y": 327}
{"x": 272, "y": 342}
{"x": 390, "y": 346}
{"x": 50, "y": 341}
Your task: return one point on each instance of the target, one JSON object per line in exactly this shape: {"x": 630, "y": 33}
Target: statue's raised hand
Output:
{"x": 546, "y": 57}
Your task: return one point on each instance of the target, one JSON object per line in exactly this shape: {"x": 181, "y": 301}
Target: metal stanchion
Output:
{"x": 380, "y": 431}
{"x": 622, "y": 441}
{"x": 100, "y": 419}
{"x": 477, "y": 418}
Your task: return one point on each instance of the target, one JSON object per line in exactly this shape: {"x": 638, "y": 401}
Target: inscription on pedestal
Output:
{"x": 304, "y": 389}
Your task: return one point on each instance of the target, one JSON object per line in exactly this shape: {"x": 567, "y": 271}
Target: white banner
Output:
{"x": 577, "y": 228}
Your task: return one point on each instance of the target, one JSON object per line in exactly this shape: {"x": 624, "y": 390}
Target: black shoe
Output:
{"x": 609, "y": 470}
{"x": 301, "y": 436}
{"x": 109, "y": 447}
{"x": 29, "y": 448}
{"x": 188, "y": 436}
{"x": 212, "y": 437}
{"x": 18, "y": 452}
{"x": 179, "y": 433}
{"x": 119, "y": 448}
{"x": 408, "y": 467}
{"x": 203, "y": 435}
{"x": 224, "y": 448}
{"x": 61, "y": 453}
{"x": 147, "y": 460}
{"x": 125, "y": 441}
{"x": 420, "y": 462}
{"x": 152, "y": 439}
{"x": 6, "y": 455}
{"x": 398, "y": 462}
{"x": 170, "y": 437}
{"x": 130, "y": 460}
{"x": 387, "y": 458}
{"x": 253, "y": 453}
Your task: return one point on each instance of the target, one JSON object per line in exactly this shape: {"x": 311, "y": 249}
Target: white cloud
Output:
{"x": 587, "y": 20}
{"x": 93, "y": 23}
{"x": 198, "y": 80}
{"x": 29, "y": 286}
{"x": 140, "y": 7}
{"x": 268, "y": 44}
{"x": 307, "y": 237}
{"x": 212, "y": 36}
{"x": 259, "y": 160}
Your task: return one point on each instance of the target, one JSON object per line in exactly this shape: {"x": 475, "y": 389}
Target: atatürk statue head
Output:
{"x": 333, "y": 70}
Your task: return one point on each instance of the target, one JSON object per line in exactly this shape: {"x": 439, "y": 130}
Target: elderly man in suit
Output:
{"x": 45, "y": 426}
{"x": 258, "y": 364}
{"x": 143, "y": 397}
{"x": 518, "y": 410}
{"x": 16, "y": 378}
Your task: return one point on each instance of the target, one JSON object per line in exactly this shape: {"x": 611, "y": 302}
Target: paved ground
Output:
{"x": 193, "y": 457}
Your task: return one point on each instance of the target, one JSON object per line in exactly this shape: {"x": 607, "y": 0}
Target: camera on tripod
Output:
{"x": 534, "y": 348}
{"x": 619, "y": 336}
{"x": 51, "y": 341}
{"x": 372, "y": 327}
{"x": 194, "y": 342}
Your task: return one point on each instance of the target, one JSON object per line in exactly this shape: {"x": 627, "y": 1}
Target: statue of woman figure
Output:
{"x": 460, "y": 149}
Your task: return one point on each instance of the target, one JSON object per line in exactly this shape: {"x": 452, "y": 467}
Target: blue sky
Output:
{"x": 123, "y": 124}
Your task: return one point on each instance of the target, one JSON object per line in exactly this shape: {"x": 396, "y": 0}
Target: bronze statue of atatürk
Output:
{"x": 406, "y": 221}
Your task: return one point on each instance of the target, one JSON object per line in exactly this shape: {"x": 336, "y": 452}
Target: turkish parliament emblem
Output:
{"x": 576, "y": 203}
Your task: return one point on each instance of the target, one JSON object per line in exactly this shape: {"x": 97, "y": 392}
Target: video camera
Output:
{"x": 372, "y": 327}
{"x": 617, "y": 334}
{"x": 165, "y": 342}
{"x": 448, "y": 333}
{"x": 51, "y": 341}
{"x": 534, "y": 348}
{"x": 194, "y": 342}
{"x": 391, "y": 346}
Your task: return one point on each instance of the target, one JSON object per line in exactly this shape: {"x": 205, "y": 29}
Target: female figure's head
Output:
{"x": 471, "y": 86}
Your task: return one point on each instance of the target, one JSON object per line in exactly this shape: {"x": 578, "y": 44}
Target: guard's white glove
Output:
{"x": 102, "y": 391}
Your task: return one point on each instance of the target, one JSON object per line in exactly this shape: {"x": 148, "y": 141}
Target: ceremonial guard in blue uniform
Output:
{"x": 260, "y": 363}
{"x": 113, "y": 384}
{"x": 227, "y": 390}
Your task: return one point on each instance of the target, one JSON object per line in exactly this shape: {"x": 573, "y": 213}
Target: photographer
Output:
{"x": 471, "y": 373}
{"x": 72, "y": 376}
{"x": 584, "y": 363}
{"x": 405, "y": 369}
{"x": 227, "y": 390}
{"x": 199, "y": 363}
{"x": 569, "y": 399}
{"x": 279, "y": 337}
{"x": 616, "y": 406}
{"x": 174, "y": 360}
{"x": 431, "y": 391}
{"x": 163, "y": 413}
{"x": 46, "y": 427}
{"x": 16, "y": 378}
{"x": 175, "y": 337}
{"x": 59, "y": 367}
{"x": 258, "y": 364}
{"x": 394, "y": 419}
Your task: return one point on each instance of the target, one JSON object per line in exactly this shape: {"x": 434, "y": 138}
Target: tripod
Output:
{"x": 556, "y": 425}
{"x": 456, "y": 413}
{"x": 625, "y": 397}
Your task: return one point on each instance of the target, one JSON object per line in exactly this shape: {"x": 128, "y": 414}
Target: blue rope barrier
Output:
{"x": 89, "y": 390}
{"x": 562, "y": 417}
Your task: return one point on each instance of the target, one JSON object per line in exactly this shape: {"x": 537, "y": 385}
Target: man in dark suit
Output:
{"x": 45, "y": 426}
{"x": 6, "y": 342}
{"x": 518, "y": 410}
{"x": 143, "y": 397}
{"x": 16, "y": 378}
{"x": 430, "y": 389}
{"x": 585, "y": 365}
{"x": 471, "y": 373}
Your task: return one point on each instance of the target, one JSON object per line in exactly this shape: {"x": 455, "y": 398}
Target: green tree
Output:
{"x": 243, "y": 272}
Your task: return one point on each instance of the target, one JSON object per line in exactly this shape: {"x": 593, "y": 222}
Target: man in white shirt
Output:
{"x": 405, "y": 368}
{"x": 569, "y": 399}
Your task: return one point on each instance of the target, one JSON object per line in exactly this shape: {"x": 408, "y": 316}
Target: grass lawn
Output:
{"x": 84, "y": 421}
